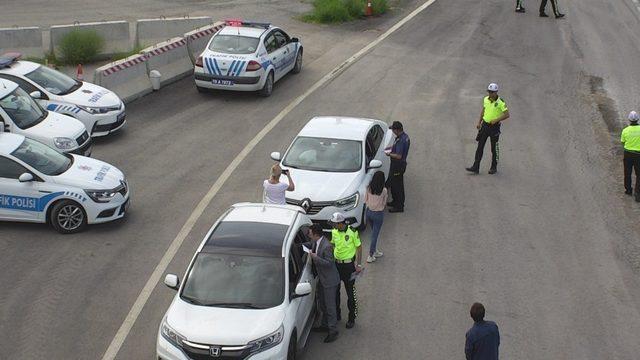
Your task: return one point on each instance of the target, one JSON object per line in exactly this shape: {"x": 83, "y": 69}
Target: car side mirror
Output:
{"x": 276, "y": 156}
{"x": 375, "y": 164}
{"x": 172, "y": 281}
{"x": 302, "y": 289}
{"x": 26, "y": 177}
{"x": 36, "y": 95}
{"x": 295, "y": 40}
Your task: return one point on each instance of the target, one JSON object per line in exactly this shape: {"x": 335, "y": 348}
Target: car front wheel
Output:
{"x": 363, "y": 220}
{"x": 68, "y": 217}
{"x": 298, "y": 67}
{"x": 292, "y": 351}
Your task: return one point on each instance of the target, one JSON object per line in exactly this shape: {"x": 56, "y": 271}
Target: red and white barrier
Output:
{"x": 197, "y": 39}
{"x": 129, "y": 78}
{"x": 170, "y": 58}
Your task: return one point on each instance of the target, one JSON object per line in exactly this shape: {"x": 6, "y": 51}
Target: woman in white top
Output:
{"x": 274, "y": 189}
{"x": 376, "y": 199}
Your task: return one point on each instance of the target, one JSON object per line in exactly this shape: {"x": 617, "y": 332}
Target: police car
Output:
{"x": 20, "y": 114}
{"x": 248, "y": 293}
{"x": 332, "y": 161}
{"x": 39, "y": 184}
{"x": 100, "y": 110}
{"x": 247, "y": 56}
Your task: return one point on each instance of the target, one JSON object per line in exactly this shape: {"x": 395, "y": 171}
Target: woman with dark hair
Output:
{"x": 375, "y": 198}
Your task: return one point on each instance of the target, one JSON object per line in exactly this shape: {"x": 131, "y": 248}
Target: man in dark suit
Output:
{"x": 328, "y": 280}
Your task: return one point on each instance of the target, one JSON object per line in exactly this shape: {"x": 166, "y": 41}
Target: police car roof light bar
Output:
{"x": 240, "y": 23}
{"x": 9, "y": 58}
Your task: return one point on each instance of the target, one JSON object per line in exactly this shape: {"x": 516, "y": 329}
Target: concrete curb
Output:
{"x": 197, "y": 39}
{"x": 129, "y": 78}
{"x": 115, "y": 34}
{"x": 26, "y": 40}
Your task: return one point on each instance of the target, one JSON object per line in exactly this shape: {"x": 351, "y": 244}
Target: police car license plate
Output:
{"x": 222, "y": 82}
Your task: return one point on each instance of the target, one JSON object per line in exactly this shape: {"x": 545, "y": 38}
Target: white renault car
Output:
{"x": 100, "y": 110}
{"x": 248, "y": 293}
{"x": 39, "y": 184}
{"x": 247, "y": 56}
{"x": 332, "y": 161}
{"x": 20, "y": 114}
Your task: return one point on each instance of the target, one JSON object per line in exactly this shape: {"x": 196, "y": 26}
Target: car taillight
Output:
{"x": 253, "y": 66}
{"x": 199, "y": 61}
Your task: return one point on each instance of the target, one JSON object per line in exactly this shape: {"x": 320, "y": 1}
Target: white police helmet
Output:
{"x": 633, "y": 116}
{"x": 492, "y": 87}
{"x": 337, "y": 218}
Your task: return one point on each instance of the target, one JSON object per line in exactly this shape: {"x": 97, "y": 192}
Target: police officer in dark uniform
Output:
{"x": 398, "y": 155}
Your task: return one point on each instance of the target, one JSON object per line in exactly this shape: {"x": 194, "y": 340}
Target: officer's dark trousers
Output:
{"x": 519, "y": 4}
{"x": 488, "y": 132}
{"x": 554, "y": 6}
{"x": 396, "y": 182}
{"x": 345, "y": 271}
{"x": 327, "y": 304}
{"x": 631, "y": 162}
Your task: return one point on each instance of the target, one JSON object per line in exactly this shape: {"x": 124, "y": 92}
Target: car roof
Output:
{"x": 6, "y": 87}
{"x": 9, "y": 142}
{"x": 252, "y": 229}
{"x": 249, "y": 31}
{"x": 337, "y": 127}
{"x": 20, "y": 67}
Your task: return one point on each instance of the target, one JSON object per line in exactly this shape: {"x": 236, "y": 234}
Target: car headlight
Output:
{"x": 266, "y": 342}
{"x": 64, "y": 143}
{"x": 101, "y": 196}
{"x": 98, "y": 110}
{"x": 170, "y": 334}
{"x": 349, "y": 202}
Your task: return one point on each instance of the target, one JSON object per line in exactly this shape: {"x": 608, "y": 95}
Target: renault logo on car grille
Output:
{"x": 306, "y": 205}
{"x": 214, "y": 351}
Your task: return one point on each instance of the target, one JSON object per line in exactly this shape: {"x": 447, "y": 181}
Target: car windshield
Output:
{"x": 42, "y": 158}
{"x": 53, "y": 81}
{"x": 238, "y": 281}
{"x": 234, "y": 44}
{"x": 322, "y": 154}
{"x": 22, "y": 109}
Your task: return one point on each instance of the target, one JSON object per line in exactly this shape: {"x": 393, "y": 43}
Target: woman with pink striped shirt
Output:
{"x": 375, "y": 199}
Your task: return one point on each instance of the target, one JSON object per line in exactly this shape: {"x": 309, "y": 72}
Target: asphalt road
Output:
{"x": 549, "y": 244}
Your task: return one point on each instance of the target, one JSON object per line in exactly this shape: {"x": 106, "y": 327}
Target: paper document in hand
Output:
{"x": 356, "y": 275}
{"x": 306, "y": 249}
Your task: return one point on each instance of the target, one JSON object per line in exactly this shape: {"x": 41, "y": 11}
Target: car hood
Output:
{"x": 57, "y": 125}
{"x": 222, "y": 326}
{"x": 89, "y": 173}
{"x": 93, "y": 95}
{"x": 323, "y": 186}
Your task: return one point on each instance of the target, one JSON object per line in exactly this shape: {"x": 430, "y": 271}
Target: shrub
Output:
{"x": 334, "y": 11}
{"x": 80, "y": 46}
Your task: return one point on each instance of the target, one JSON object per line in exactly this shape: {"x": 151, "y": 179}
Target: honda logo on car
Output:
{"x": 214, "y": 351}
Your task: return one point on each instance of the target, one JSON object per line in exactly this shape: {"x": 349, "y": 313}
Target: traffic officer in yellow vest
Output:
{"x": 494, "y": 111}
{"x": 631, "y": 140}
{"x": 347, "y": 251}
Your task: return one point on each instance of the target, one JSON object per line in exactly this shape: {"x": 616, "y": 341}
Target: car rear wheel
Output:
{"x": 298, "y": 67}
{"x": 267, "y": 89}
{"x": 292, "y": 352}
{"x": 68, "y": 217}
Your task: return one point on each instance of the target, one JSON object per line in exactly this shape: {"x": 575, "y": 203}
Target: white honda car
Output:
{"x": 248, "y": 293}
{"x": 39, "y": 184}
{"x": 247, "y": 56}
{"x": 332, "y": 161}
{"x": 100, "y": 110}
{"x": 20, "y": 114}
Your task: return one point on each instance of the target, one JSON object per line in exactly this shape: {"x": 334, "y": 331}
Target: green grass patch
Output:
{"x": 126, "y": 54}
{"x": 80, "y": 47}
{"x": 337, "y": 11}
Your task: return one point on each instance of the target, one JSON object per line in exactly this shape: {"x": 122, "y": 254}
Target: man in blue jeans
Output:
{"x": 483, "y": 339}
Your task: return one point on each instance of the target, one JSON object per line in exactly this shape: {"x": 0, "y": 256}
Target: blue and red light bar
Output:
{"x": 240, "y": 23}
{"x": 9, "y": 58}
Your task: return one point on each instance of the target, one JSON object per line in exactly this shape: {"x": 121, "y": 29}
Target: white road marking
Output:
{"x": 155, "y": 277}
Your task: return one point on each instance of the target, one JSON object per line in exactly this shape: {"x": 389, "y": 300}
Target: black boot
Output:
{"x": 543, "y": 14}
{"x": 474, "y": 169}
{"x": 520, "y": 9}
{"x": 559, "y": 16}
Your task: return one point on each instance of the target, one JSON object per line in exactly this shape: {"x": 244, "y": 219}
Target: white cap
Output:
{"x": 337, "y": 218}
{"x": 492, "y": 87}
{"x": 633, "y": 116}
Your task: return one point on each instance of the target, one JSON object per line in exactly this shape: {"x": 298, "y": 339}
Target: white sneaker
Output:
{"x": 378, "y": 253}
{"x": 371, "y": 259}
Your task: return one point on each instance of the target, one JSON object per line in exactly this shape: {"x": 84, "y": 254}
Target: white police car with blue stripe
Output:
{"x": 247, "y": 56}
{"x": 39, "y": 184}
{"x": 100, "y": 110}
